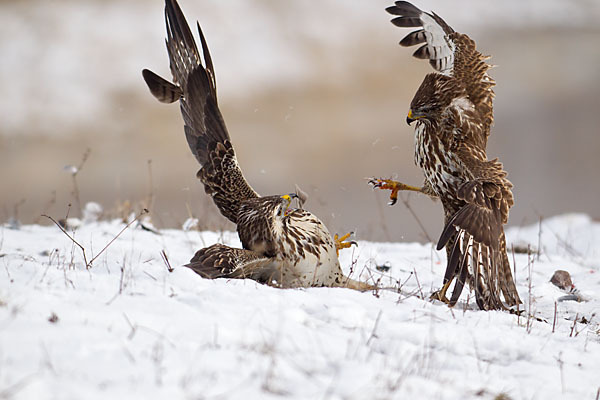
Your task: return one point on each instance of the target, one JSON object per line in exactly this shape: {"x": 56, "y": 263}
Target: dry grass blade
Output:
{"x": 418, "y": 283}
{"x": 88, "y": 264}
{"x": 163, "y": 254}
{"x": 143, "y": 212}
{"x": 421, "y": 226}
{"x": 70, "y": 237}
{"x": 76, "y": 171}
{"x": 574, "y": 325}
{"x": 554, "y": 322}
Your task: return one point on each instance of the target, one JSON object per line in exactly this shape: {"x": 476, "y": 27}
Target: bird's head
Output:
{"x": 285, "y": 202}
{"x": 433, "y": 96}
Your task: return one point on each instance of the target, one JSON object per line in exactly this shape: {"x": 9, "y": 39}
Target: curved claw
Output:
{"x": 394, "y": 186}
{"x": 341, "y": 244}
{"x": 440, "y": 295}
{"x": 376, "y": 183}
{"x": 387, "y": 184}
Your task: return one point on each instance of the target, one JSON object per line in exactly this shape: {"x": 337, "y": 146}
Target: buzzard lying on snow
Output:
{"x": 453, "y": 113}
{"x": 283, "y": 246}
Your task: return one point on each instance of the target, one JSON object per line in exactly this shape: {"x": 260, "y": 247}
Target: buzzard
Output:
{"x": 453, "y": 113}
{"x": 282, "y": 246}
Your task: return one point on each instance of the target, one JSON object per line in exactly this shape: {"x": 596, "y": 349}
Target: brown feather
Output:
{"x": 281, "y": 246}
{"x": 163, "y": 90}
{"x": 456, "y": 113}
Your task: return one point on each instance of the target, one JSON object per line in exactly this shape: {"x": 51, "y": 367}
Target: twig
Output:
{"x": 16, "y": 209}
{"x": 373, "y": 332}
{"x": 132, "y": 326}
{"x": 163, "y": 254}
{"x": 143, "y": 212}
{"x": 122, "y": 278}
{"x": 150, "y": 198}
{"x": 76, "y": 171}
{"x": 560, "y": 367}
{"x": 48, "y": 205}
{"x": 150, "y": 275}
{"x": 418, "y": 284}
{"x": 554, "y": 322}
{"x": 529, "y": 272}
{"x": 407, "y": 205}
{"x": 466, "y": 303}
{"x": 14, "y": 388}
{"x": 574, "y": 324}
{"x": 70, "y": 237}
{"x": 88, "y": 265}
{"x": 382, "y": 219}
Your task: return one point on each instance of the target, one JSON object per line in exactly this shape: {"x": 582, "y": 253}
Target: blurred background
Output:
{"x": 314, "y": 93}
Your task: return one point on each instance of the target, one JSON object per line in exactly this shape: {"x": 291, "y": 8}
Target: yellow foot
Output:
{"x": 394, "y": 186}
{"x": 440, "y": 295}
{"x": 341, "y": 244}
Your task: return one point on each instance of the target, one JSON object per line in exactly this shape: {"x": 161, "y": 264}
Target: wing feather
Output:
{"x": 220, "y": 261}
{"x": 450, "y": 53}
{"x": 435, "y": 33}
{"x": 204, "y": 127}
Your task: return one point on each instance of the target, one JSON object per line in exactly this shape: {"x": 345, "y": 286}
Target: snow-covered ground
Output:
{"x": 128, "y": 328}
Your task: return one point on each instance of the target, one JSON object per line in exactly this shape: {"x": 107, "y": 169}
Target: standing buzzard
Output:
{"x": 453, "y": 113}
{"x": 282, "y": 246}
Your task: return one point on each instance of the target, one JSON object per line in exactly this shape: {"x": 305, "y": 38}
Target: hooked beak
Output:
{"x": 409, "y": 118}
{"x": 288, "y": 198}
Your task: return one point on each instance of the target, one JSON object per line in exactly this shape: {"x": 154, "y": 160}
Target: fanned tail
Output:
{"x": 484, "y": 266}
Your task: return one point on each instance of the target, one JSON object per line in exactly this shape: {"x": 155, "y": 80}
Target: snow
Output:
{"x": 129, "y": 328}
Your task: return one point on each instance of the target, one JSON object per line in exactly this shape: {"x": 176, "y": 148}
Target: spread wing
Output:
{"x": 220, "y": 261}
{"x": 450, "y": 53}
{"x": 195, "y": 87}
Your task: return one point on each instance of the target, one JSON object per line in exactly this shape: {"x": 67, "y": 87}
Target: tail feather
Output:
{"x": 487, "y": 270}
{"x": 507, "y": 283}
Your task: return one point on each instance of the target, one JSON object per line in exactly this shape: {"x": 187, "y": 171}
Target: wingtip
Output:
{"x": 163, "y": 90}
{"x": 391, "y": 10}
{"x": 404, "y": 8}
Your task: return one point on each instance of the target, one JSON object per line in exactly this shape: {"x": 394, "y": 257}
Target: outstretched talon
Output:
{"x": 394, "y": 186}
{"x": 341, "y": 244}
{"x": 440, "y": 295}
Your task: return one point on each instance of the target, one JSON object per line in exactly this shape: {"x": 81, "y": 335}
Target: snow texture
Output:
{"x": 128, "y": 328}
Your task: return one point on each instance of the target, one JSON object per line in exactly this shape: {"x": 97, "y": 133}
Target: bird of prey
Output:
{"x": 282, "y": 246}
{"x": 453, "y": 113}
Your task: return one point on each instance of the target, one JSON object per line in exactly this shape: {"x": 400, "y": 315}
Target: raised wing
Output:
{"x": 195, "y": 87}
{"x": 435, "y": 33}
{"x": 450, "y": 53}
